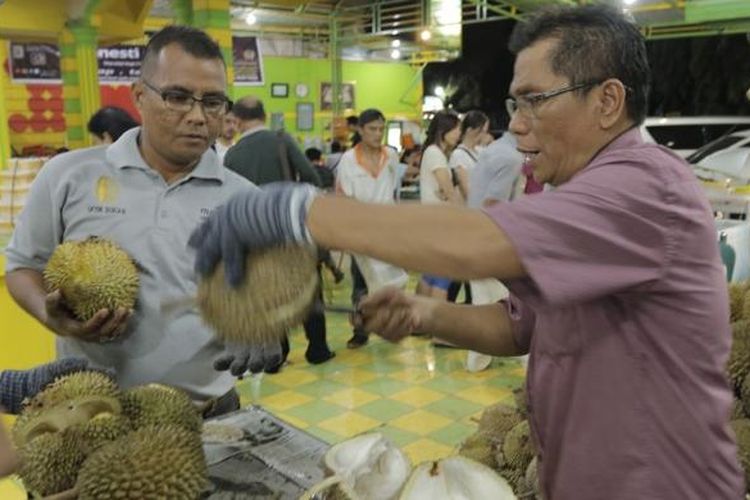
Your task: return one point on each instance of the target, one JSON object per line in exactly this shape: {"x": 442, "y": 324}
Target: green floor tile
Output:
{"x": 399, "y": 437}
{"x": 316, "y": 411}
{"x": 327, "y": 436}
{"x": 385, "y": 410}
{"x": 447, "y": 384}
{"x": 384, "y": 386}
{"x": 320, "y": 388}
{"x": 454, "y": 408}
{"x": 453, "y": 434}
{"x": 267, "y": 387}
{"x": 505, "y": 382}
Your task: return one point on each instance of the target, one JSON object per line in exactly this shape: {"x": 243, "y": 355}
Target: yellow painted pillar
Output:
{"x": 80, "y": 77}
{"x": 212, "y": 16}
{"x": 5, "y": 150}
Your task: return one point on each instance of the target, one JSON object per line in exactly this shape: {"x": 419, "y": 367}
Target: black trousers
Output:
{"x": 315, "y": 325}
{"x": 359, "y": 290}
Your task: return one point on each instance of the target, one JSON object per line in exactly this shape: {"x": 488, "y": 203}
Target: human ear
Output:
{"x": 611, "y": 100}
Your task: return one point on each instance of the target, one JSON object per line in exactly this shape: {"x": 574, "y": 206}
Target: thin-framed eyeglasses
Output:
{"x": 182, "y": 101}
{"x": 526, "y": 104}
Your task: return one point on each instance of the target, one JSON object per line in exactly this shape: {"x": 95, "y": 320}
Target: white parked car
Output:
{"x": 686, "y": 134}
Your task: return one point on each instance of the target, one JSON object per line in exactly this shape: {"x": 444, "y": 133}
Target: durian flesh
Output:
{"x": 277, "y": 293}
{"x": 91, "y": 275}
{"x": 456, "y": 477}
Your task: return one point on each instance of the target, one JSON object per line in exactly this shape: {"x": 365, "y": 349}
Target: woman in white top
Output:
{"x": 474, "y": 125}
{"x": 436, "y": 182}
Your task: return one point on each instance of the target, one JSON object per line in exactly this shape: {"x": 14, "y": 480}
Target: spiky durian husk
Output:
{"x": 741, "y": 429}
{"x": 91, "y": 275}
{"x": 332, "y": 488}
{"x": 738, "y": 406}
{"x": 155, "y": 404}
{"x": 49, "y": 464}
{"x": 160, "y": 462}
{"x": 522, "y": 405}
{"x": 737, "y": 307}
{"x": 738, "y": 365}
{"x": 497, "y": 420}
{"x": 100, "y": 430}
{"x": 518, "y": 449}
{"x": 277, "y": 293}
{"x": 479, "y": 448}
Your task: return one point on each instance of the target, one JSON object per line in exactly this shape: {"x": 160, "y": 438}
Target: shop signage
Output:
{"x": 119, "y": 63}
{"x": 247, "y": 59}
{"x": 35, "y": 63}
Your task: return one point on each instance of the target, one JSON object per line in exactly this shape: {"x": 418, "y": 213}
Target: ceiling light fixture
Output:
{"x": 395, "y": 54}
{"x": 425, "y": 35}
{"x": 250, "y": 19}
{"x": 396, "y": 44}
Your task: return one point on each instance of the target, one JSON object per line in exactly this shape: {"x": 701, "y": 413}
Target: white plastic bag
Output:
{"x": 379, "y": 274}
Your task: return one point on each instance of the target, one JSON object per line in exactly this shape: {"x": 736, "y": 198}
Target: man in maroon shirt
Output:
{"x": 618, "y": 291}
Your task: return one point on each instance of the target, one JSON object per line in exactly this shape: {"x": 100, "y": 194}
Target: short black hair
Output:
{"x": 442, "y": 123}
{"x": 195, "y": 42}
{"x": 370, "y": 115}
{"x": 313, "y": 154}
{"x": 473, "y": 119}
{"x": 595, "y": 42}
{"x": 336, "y": 147}
{"x": 352, "y": 120}
{"x": 245, "y": 111}
{"x": 112, "y": 120}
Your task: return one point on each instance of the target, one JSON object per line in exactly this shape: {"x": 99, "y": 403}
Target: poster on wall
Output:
{"x": 346, "y": 96}
{"x": 120, "y": 63}
{"x": 35, "y": 63}
{"x": 247, "y": 59}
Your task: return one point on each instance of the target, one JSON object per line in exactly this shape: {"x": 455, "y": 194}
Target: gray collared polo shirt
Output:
{"x": 111, "y": 192}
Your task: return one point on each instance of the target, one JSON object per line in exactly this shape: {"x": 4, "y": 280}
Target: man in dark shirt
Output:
{"x": 259, "y": 153}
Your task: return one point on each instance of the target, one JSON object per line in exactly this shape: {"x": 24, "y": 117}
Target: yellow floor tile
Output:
{"x": 294, "y": 377}
{"x": 423, "y": 450}
{"x": 349, "y": 424}
{"x": 297, "y": 422}
{"x": 356, "y": 358}
{"x": 420, "y": 422}
{"x": 351, "y": 398}
{"x": 284, "y": 400}
{"x": 414, "y": 376}
{"x": 352, "y": 377}
{"x": 485, "y": 395}
{"x": 417, "y": 396}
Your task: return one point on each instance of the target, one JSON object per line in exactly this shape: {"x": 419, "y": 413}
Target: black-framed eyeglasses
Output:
{"x": 182, "y": 101}
{"x": 526, "y": 104}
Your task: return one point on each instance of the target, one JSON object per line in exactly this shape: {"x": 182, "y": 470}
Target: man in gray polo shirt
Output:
{"x": 146, "y": 192}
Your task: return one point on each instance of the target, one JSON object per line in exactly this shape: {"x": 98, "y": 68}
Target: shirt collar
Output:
{"x": 253, "y": 130}
{"x": 124, "y": 153}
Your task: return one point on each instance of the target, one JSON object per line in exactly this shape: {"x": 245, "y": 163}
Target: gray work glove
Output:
{"x": 239, "y": 359}
{"x": 17, "y": 385}
{"x": 252, "y": 220}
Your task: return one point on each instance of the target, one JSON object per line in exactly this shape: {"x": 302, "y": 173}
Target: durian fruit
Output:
{"x": 371, "y": 465}
{"x": 738, "y": 365}
{"x": 456, "y": 477}
{"x": 91, "y": 275}
{"x": 155, "y": 404}
{"x": 480, "y": 448}
{"x": 738, "y": 405}
{"x": 278, "y": 291}
{"x": 497, "y": 420}
{"x": 100, "y": 430}
{"x": 75, "y": 386}
{"x": 49, "y": 464}
{"x": 742, "y": 432}
{"x": 515, "y": 478}
{"x": 518, "y": 449}
{"x": 152, "y": 463}
{"x": 737, "y": 292}
{"x": 332, "y": 488}
{"x": 531, "y": 480}
{"x": 522, "y": 404}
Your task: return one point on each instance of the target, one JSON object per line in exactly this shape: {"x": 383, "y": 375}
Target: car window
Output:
{"x": 691, "y": 136}
{"x": 717, "y": 145}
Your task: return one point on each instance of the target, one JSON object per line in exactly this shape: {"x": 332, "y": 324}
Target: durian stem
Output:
{"x": 70, "y": 494}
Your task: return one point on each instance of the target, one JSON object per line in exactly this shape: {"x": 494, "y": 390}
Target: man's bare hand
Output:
{"x": 103, "y": 326}
{"x": 393, "y": 314}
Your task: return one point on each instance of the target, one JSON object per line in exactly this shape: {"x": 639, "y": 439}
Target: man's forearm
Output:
{"x": 26, "y": 286}
{"x": 444, "y": 240}
{"x": 485, "y": 328}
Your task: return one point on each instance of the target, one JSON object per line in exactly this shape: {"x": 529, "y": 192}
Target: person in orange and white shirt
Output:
{"x": 367, "y": 172}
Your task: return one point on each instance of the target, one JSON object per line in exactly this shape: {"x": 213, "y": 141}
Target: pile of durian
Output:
{"x": 503, "y": 443}
{"x": 83, "y": 436}
{"x": 371, "y": 467}
{"x": 738, "y": 370}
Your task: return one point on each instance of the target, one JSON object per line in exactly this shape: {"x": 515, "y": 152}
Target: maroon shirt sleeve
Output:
{"x": 603, "y": 232}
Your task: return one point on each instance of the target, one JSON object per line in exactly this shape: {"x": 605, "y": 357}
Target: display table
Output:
{"x": 272, "y": 460}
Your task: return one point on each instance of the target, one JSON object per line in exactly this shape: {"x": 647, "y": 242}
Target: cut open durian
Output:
{"x": 456, "y": 478}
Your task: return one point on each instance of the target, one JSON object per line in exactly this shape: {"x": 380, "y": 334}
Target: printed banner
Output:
{"x": 35, "y": 63}
{"x": 120, "y": 63}
{"x": 248, "y": 63}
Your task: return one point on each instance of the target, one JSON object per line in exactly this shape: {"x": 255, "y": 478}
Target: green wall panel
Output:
{"x": 698, "y": 11}
{"x": 395, "y": 89}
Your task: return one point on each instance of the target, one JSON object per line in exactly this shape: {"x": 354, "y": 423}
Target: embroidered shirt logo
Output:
{"x": 106, "y": 190}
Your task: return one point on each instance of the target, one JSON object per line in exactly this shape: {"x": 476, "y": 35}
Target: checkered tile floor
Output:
{"x": 418, "y": 395}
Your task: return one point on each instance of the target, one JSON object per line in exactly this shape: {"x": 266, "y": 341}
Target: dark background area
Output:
{"x": 690, "y": 76}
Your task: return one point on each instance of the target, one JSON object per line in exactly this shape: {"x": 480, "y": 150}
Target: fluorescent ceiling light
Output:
{"x": 250, "y": 18}
{"x": 396, "y": 44}
{"x": 395, "y": 54}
